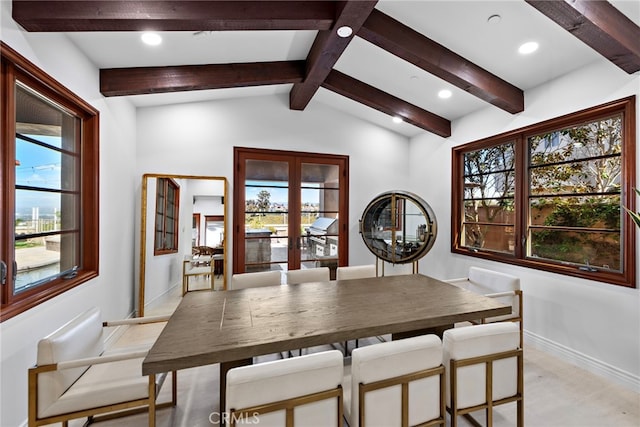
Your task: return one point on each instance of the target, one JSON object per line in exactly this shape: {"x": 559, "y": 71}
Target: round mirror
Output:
{"x": 398, "y": 227}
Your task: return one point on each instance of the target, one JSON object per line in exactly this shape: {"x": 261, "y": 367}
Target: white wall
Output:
{"x": 113, "y": 290}
{"x": 198, "y": 139}
{"x": 595, "y": 325}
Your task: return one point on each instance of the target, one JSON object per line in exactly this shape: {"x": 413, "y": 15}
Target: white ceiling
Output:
{"x": 460, "y": 26}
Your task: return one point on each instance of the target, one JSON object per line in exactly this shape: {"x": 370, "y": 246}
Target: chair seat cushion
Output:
{"x": 102, "y": 384}
{"x": 198, "y": 270}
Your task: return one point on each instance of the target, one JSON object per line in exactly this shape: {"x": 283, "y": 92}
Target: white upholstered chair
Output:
{"x": 194, "y": 267}
{"x": 306, "y": 388}
{"x": 76, "y": 377}
{"x": 484, "y": 366}
{"x": 305, "y": 275}
{"x": 355, "y": 272}
{"x": 397, "y": 383}
{"x": 505, "y": 288}
{"x": 254, "y": 280}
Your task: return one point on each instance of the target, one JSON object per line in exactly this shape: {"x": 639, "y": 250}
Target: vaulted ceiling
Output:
{"x": 400, "y": 53}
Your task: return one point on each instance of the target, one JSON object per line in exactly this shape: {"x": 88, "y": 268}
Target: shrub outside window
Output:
{"x": 552, "y": 196}
{"x": 49, "y": 156}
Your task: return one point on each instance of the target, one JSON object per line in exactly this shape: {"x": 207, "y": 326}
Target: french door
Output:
{"x": 290, "y": 210}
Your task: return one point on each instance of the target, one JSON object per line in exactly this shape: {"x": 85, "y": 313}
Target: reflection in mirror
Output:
{"x": 182, "y": 235}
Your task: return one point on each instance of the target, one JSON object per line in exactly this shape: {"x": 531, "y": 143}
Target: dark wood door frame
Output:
{"x": 295, "y": 159}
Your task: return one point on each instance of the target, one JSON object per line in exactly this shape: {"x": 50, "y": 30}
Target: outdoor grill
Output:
{"x": 322, "y": 237}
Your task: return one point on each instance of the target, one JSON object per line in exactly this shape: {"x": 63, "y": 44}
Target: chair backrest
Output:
{"x": 356, "y": 272}
{"x": 477, "y": 341}
{"x": 282, "y": 381}
{"x": 484, "y": 281}
{"x": 401, "y": 360}
{"x": 492, "y": 281}
{"x": 254, "y": 280}
{"x": 305, "y": 275}
{"x": 79, "y": 338}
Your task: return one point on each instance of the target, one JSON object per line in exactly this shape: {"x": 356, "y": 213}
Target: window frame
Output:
{"x": 167, "y": 184}
{"x": 627, "y": 276}
{"x": 16, "y": 67}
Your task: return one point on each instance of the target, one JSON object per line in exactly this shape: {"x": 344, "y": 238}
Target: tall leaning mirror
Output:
{"x": 182, "y": 235}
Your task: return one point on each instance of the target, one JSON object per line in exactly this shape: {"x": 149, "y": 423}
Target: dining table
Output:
{"x": 231, "y": 327}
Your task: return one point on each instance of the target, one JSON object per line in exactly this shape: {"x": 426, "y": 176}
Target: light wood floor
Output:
{"x": 557, "y": 394}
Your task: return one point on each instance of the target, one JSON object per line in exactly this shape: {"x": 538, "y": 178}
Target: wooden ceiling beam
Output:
{"x": 599, "y": 25}
{"x": 375, "y": 98}
{"x": 410, "y": 45}
{"x": 148, "y": 80}
{"x": 172, "y": 15}
{"x": 326, "y": 50}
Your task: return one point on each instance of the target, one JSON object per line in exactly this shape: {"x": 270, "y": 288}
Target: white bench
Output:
{"x": 76, "y": 377}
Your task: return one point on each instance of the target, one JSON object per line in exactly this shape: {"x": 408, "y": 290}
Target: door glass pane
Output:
{"x": 320, "y": 198}
{"x": 266, "y": 215}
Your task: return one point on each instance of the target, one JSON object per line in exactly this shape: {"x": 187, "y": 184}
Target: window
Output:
{"x": 552, "y": 196}
{"x": 167, "y": 203}
{"x": 49, "y": 157}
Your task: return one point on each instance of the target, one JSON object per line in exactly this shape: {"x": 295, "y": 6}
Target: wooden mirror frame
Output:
{"x": 143, "y": 229}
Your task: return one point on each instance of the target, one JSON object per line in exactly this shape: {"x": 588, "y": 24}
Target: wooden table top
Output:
{"x": 224, "y": 326}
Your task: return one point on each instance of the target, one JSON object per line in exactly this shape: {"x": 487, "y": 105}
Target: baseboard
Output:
{"x": 171, "y": 289}
{"x": 584, "y": 361}
{"x": 117, "y": 332}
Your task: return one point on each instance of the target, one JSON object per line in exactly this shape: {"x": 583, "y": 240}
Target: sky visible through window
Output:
{"x": 37, "y": 167}
{"x": 279, "y": 192}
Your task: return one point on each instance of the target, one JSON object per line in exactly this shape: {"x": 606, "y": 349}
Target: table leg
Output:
{"x": 224, "y": 368}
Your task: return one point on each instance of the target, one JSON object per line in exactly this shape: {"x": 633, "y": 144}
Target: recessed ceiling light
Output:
{"x": 528, "y": 47}
{"x": 444, "y": 94}
{"x": 345, "y": 31}
{"x": 397, "y": 119}
{"x": 152, "y": 39}
{"x": 494, "y": 19}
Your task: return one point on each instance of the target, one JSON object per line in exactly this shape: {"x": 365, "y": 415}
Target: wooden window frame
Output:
{"x": 627, "y": 276}
{"x": 16, "y": 67}
{"x": 165, "y": 185}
